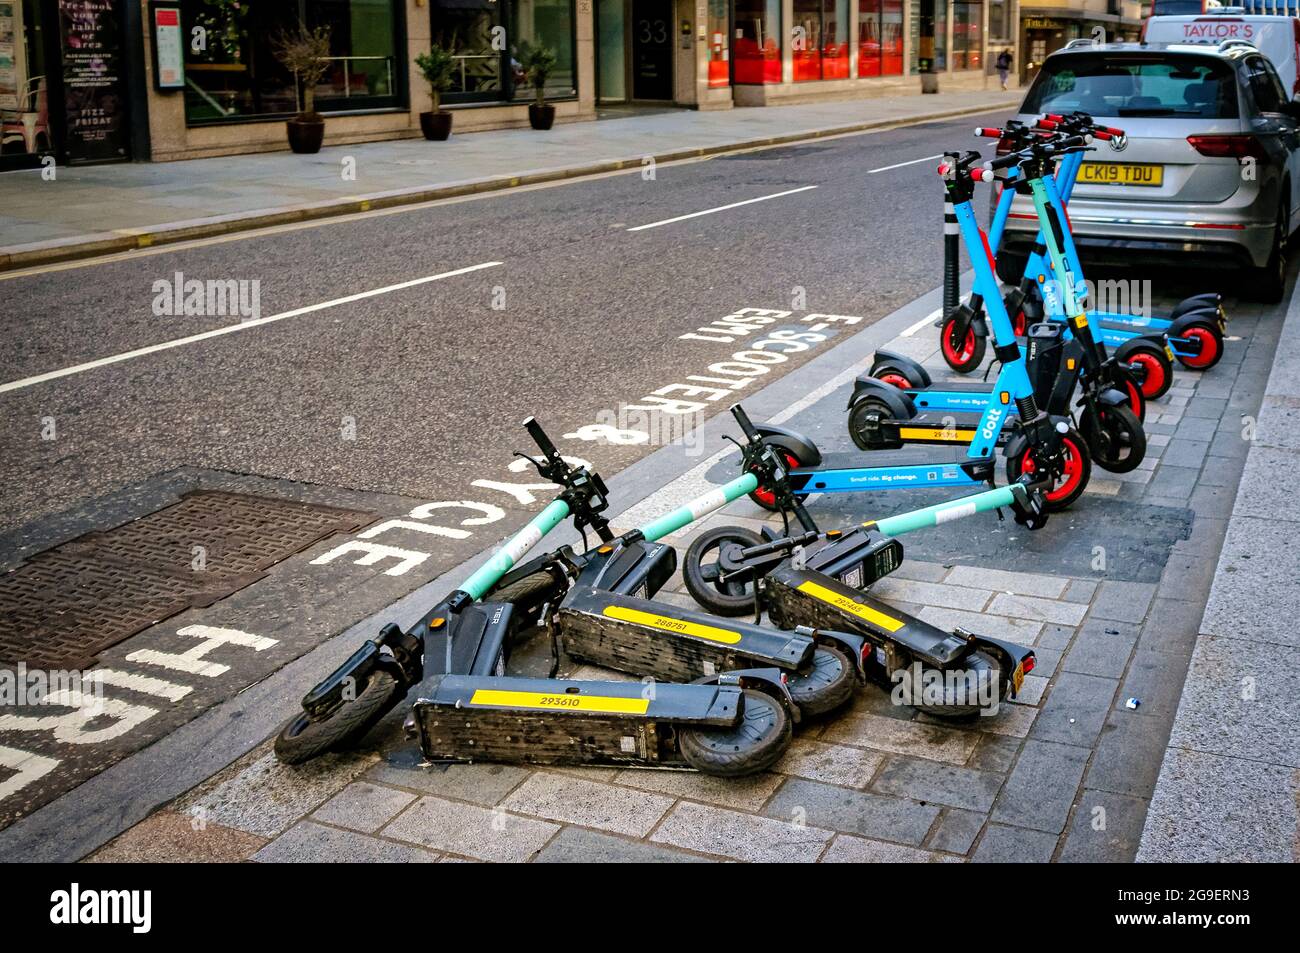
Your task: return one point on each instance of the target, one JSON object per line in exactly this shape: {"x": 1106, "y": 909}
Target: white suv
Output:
{"x": 1211, "y": 172}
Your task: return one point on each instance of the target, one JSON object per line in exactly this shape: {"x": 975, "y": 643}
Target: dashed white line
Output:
{"x": 232, "y": 328}
{"x": 721, "y": 208}
{"x": 899, "y": 165}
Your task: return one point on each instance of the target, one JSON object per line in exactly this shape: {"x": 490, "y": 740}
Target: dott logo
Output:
{"x": 75, "y": 906}
{"x": 991, "y": 428}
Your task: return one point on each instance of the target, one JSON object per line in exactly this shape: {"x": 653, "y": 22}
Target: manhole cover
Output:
{"x": 63, "y": 606}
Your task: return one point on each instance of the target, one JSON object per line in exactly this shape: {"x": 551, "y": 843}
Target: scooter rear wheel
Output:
{"x": 1070, "y": 485}
{"x": 1153, "y": 369}
{"x": 701, "y": 574}
{"x": 826, "y": 686}
{"x": 963, "y": 356}
{"x": 983, "y": 666}
{"x": 862, "y": 429}
{"x": 302, "y": 738}
{"x": 1211, "y": 347}
{"x": 1120, "y": 444}
{"x": 755, "y": 744}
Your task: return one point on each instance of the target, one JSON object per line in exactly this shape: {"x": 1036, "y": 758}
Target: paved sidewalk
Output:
{"x": 153, "y": 203}
{"x": 1229, "y": 787}
{"x": 1065, "y": 773}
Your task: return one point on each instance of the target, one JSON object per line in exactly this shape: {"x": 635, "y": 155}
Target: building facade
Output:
{"x": 1047, "y": 25}
{"x": 113, "y": 80}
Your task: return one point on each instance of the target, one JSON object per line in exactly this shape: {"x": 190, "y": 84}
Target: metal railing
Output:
{"x": 347, "y": 72}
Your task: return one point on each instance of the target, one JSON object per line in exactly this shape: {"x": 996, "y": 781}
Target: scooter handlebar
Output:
{"x": 541, "y": 439}
{"x": 746, "y": 425}
{"x": 988, "y": 132}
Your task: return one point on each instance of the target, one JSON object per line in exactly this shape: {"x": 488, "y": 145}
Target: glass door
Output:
{"x": 611, "y": 45}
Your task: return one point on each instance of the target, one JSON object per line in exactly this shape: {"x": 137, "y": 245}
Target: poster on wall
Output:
{"x": 90, "y": 33}
{"x": 169, "y": 54}
{"x": 11, "y": 12}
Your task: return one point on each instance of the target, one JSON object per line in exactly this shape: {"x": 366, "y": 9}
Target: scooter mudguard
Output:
{"x": 1212, "y": 301}
{"x": 636, "y": 568}
{"x": 795, "y": 444}
{"x": 1111, "y": 397}
{"x": 900, "y": 408}
{"x": 916, "y": 375}
{"x": 857, "y": 558}
{"x": 963, "y": 318}
{"x": 669, "y": 643}
{"x": 1178, "y": 327}
{"x": 460, "y": 718}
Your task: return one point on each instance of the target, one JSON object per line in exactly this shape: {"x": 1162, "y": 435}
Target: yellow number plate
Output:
{"x": 1121, "y": 173}
{"x": 851, "y": 606}
{"x": 597, "y": 703}
{"x": 665, "y": 624}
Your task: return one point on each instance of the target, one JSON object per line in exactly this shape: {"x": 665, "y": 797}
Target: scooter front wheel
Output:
{"x": 1116, "y": 441}
{"x": 755, "y": 744}
{"x": 304, "y": 738}
{"x": 962, "y": 353}
{"x": 827, "y": 685}
{"x": 1076, "y": 470}
{"x": 767, "y": 499}
{"x": 700, "y": 570}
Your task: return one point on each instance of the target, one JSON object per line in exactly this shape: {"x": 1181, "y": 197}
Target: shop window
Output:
{"x": 543, "y": 23}
{"x": 756, "y": 41}
{"x": 25, "y": 128}
{"x": 967, "y": 34}
{"x": 880, "y": 38}
{"x": 929, "y": 29}
{"x": 235, "y": 76}
{"x": 488, "y": 40}
{"x": 719, "y": 54}
{"x": 820, "y": 39}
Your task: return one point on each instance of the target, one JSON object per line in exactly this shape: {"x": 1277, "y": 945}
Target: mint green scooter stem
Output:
{"x": 700, "y": 507}
{"x": 504, "y": 559}
{"x": 941, "y": 513}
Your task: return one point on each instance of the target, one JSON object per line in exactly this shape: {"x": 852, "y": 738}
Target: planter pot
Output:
{"x": 436, "y": 126}
{"x": 305, "y": 136}
{"x": 541, "y": 117}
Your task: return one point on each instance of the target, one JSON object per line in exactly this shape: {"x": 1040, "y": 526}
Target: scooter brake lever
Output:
{"x": 535, "y": 462}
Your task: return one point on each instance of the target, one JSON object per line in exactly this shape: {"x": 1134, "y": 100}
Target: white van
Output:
{"x": 1277, "y": 37}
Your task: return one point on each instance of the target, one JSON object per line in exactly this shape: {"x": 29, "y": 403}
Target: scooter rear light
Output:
{"x": 1028, "y": 664}
{"x": 1228, "y": 147}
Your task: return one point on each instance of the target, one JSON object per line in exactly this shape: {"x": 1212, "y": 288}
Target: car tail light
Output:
{"x": 1228, "y": 147}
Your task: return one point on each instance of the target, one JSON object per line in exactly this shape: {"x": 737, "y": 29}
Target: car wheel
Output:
{"x": 1269, "y": 282}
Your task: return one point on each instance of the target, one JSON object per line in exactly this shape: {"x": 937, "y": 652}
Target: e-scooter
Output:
{"x": 948, "y": 412}
{"x": 733, "y": 723}
{"x": 817, "y": 578}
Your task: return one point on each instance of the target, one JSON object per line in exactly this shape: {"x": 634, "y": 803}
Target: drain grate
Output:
{"x": 64, "y": 606}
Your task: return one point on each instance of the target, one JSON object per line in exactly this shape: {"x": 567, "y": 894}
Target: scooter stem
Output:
{"x": 950, "y": 510}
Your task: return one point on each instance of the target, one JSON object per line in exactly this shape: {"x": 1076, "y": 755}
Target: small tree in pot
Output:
{"x": 538, "y": 62}
{"x": 436, "y": 66}
{"x": 305, "y": 53}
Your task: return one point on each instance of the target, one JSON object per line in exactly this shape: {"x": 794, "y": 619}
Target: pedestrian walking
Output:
{"x": 1004, "y": 66}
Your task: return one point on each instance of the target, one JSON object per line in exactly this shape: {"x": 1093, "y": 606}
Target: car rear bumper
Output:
{"x": 1125, "y": 242}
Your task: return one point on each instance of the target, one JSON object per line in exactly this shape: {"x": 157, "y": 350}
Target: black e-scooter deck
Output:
{"x": 641, "y": 637}
{"x": 803, "y": 597}
{"x": 549, "y": 721}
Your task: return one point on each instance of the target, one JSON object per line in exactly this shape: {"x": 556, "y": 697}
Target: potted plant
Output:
{"x": 538, "y": 62}
{"x": 306, "y": 54}
{"x": 436, "y": 65}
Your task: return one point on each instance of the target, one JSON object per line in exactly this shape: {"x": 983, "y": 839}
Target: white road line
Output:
{"x": 928, "y": 319}
{"x": 899, "y": 165}
{"x": 232, "y": 328}
{"x": 720, "y": 208}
